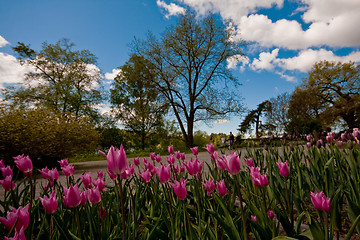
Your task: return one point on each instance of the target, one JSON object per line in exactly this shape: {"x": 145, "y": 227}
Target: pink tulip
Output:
{"x": 145, "y": 161}
{"x": 24, "y": 164}
{"x": 308, "y": 144}
{"x": 71, "y": 196}
{"x": 182, "y": 168}
{"x": 111, "y": 175}
{"x": 179, "y": 188}
{"x": 177, "y": 154}
{"x": 129, "y": 170}
{"x": 210, "y": 148}
{"x": 116, "y": 160}
{"x": 182, "y": 156}
{"x": 145, "y": 175}
{"x": 320, "y": 201}
{"x": 271, "y": 214}
{"x": 19, "y": 235}
{"x": 171, "y": 149}
{"x": 7, "y": 183}
{"x": 221, "y": 188}
{"x": 221, "y": 163}
{"x": 195, "y": 150}
{"x": 175, "y": 169}
{"x": 94, "y": 195}
{"x": 214, "y": 156}
{"x": 63, "y": 162}
{"x": 99, "y": 183}
{"x": 194, "y": 166}
{"x": 283, "y": 168}
{"x": 170, "y": 159}
{"x": 2, "y": 165}
{"x": 233, "y": 163}
{"x": 253, "y": 218}
{"x": 209, "y": 186}
{"x": 343, "y": 137}
{"x": 50, "y": 205}
{"x": 6, "y": 171}
{"x": 249, "y": 162}
{"x": 10, "y": 219}
{"x": 100, "y": 174}
{"x": 23, "y": 217}
{"x": 309, "y": 138}
{"x": 68, "y": 170}
{"x": 84, "y": 197}
{"x": 158, "y": 158}
{"x": 230, "y": 162}
{"x": 150, "y": 166}
{"x": 137, "y": 161}
{"x": 153, "y": 156}
{"x": 86, "y": 180}
{"x": 356, "y": 133}
{"x": 258, "y": 179}
{"x": 339, "y": 143}
{"x": 164, "y": 173}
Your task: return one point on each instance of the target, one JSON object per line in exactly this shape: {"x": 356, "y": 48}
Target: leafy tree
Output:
{"x": 305, "y": 109}
{"x": 276, "y": 114}
{"x": 253, "y": 117}
{"x": 135, "y": 99}
{"x": 338, "y": 85}
{"x": 63, "y": 80}
{"x": 190, "y": 63}
{"x": 43, "y": 135}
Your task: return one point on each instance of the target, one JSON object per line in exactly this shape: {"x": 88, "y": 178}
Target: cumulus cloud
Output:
{"x": 265, "y": 61}
{"x": 331, "y": 22}
{"x": 304, "y": 61}
{"x": 234, "y": 61}
{"x": 113, "y": 74}
{"x": 172, "y": 9}
{"x": 3, "y": 42}
{"x": 11, "y": 72}
{"x": 221, "y": 121}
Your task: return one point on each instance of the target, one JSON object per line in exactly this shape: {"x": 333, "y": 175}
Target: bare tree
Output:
{"x": 190, "y": 62}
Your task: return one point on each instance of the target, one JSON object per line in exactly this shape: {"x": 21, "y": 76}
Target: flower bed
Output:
{"x": 271, "y": 192}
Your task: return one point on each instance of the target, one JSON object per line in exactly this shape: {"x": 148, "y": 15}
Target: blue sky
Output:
{"x": 286, "y": 36}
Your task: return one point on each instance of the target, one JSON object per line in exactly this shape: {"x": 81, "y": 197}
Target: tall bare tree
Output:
{"x": 190, "y": 62}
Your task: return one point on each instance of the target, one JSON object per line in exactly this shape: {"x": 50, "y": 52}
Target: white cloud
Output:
{"x": 3, "y": 42}
{"x": 234, "y": 61}
{"x": 221, "y": 121}
{"x": 231, "y": 9}
{"x": 304, "y": 61}
{"x": 113, "y": 74}
{"x": 331, "y": 22}
{"x": 288, "y": 78}
{"x": 265, "y": 61}
{"x": 11, "y": 71}
{"x": 172, "y": 9}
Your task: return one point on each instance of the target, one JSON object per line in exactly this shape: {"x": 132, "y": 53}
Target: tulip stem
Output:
{"x": 241, "y": 206}
{"x": 122, "y": 208}
{"x": 326, "y": 225}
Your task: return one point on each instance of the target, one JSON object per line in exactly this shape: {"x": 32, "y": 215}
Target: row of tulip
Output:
{"x": 274, "y": 193}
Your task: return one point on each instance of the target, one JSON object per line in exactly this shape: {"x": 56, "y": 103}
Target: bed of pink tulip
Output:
{"x": 282, "y": 193}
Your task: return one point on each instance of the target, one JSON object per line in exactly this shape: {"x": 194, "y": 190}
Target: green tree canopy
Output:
{"x": 63, "y": 80}
{"x": 190, "y": 63}
{"x": 135, "y": 99}
{"x": 338, "y": 85}
{"x": 305, "y": 110}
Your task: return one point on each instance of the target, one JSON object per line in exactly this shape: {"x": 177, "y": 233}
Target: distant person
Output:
{"x": 231, "y": 141}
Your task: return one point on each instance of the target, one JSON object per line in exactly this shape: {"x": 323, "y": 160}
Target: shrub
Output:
{"x": 45, "y": 136}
